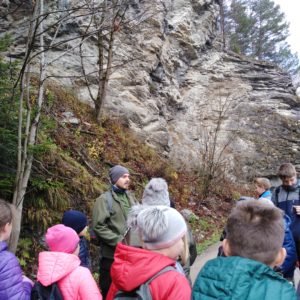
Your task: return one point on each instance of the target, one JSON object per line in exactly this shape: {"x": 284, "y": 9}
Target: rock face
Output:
{"x": 180, "y": 92}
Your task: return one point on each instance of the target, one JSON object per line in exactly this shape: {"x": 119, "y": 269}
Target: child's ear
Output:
{"x": 226, "y": 247}
{"x": 280, "y": 257}
{"x": 7, "y": 227}
{"x": 5, "y": 231}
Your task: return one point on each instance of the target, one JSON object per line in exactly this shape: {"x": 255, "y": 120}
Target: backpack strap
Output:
{"x": 277, "y": 190}
{"x": 164, "y": 270}
{"x": 109, "y": 201}
{"x": 143, "y": 291}
{"x": 144, "y": 288}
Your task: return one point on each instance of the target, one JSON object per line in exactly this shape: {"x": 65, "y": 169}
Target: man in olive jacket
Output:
{"x": 109, "y": 220}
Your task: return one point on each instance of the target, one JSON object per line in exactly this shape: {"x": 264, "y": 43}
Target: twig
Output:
{"x": 87, "y": 163}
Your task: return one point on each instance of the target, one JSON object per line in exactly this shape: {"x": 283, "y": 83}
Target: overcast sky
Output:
{"x": 291, "y": 8}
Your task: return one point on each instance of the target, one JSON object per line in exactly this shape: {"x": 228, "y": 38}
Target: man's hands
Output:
{"x": 297, "y": 209}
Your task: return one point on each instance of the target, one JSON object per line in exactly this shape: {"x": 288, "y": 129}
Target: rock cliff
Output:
{"x": 179, "y": 91}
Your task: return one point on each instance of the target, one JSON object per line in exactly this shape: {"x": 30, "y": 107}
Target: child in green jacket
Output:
{"x": 253, "y": 246}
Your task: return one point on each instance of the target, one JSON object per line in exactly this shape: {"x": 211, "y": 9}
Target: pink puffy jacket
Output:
{"x": 75, "y": 282}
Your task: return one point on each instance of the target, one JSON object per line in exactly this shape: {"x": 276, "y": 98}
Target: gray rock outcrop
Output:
{"x": 180, "y": 92}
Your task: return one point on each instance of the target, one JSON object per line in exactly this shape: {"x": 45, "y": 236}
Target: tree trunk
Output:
{"x": 24, "y": 158}
{"x": 102, "y": 91}
{"x": 222, "y": 23}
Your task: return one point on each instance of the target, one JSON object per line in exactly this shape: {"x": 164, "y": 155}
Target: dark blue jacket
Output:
{"x": 285, "y": 200}
{"x": 12, "y": 286}
{"x": 84, "y": 253}
{"x": 289, "y": 264}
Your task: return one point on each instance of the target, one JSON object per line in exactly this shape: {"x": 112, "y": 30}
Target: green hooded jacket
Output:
{"x": 238, "y": 278}
{"x": 109, "y": 224}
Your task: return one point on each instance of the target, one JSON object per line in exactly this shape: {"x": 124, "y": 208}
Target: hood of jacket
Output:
{"x": 240, "y": 278}
{"x": 53, "y": 266}
{"x": 134, "y": 266}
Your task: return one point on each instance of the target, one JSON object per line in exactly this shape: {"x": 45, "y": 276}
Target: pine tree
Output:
{"x": 238, "y": 26}
{"x": 258, "y": 29}
{"x": 269, "y": 29}
{"x": 287, "y": 60}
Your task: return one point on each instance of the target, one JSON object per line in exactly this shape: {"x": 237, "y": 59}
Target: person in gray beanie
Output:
{"x": 109, "y": 220}
{"x": 156, "y": 193}
{"x": 162, "y": 231}
{"x": 116, "y": 172}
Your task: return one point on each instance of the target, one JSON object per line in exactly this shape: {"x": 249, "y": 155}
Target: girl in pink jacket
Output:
{"x": 62, "y": 265}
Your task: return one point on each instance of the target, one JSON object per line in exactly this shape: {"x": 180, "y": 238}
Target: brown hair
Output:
{"x": 286, "y": 170}
{"x": 255, "y": 230}
{"x": 263, "y": 183}
{"x": 5, "y": 214}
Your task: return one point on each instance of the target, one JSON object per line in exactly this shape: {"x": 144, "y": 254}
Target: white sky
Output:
{"x": 291, "y": 8}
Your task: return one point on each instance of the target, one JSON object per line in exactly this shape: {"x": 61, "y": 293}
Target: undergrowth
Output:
{"x": 70, "y": 170}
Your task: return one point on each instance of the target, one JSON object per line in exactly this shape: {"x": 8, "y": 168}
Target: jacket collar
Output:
{"x": 3, "y": 246}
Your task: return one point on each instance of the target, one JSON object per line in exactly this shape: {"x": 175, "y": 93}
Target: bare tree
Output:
{"x": 222, "y": 23}
{"x": 110, "y": 20}
{"x": 212, "y": 145}
{"x": 30, "y": 105}
{"x": 27, "y": 136}
{"x": 107, "y": 19}
{"x": 105, "y": 22}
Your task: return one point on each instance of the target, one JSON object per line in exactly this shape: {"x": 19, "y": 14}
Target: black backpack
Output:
{"x": 41, "y": 292}
{"x": 143, "y": 291}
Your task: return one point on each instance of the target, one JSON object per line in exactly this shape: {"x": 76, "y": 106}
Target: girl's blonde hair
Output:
{"x": 185, "y": 253}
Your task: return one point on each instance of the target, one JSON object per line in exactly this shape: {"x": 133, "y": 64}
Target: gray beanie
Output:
{"x": 160, "y": 226}
{"x": 116, "y": 172}
{"x": 156, "y": 193}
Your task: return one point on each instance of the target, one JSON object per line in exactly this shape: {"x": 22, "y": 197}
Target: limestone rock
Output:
{"x": 179, "y": 91}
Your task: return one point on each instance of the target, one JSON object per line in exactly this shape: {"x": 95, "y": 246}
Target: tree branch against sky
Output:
{"x": 259, "y": 29}
{"x": 291, "y": 10}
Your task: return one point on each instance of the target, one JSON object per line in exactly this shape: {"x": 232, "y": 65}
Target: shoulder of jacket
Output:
{"x": 9, "y": 265}
{"x": 104, "y": 196}
{"x": 81, "y": 273}
{"x": 130, "y": 194}
{"x": 8, "y": 257}
{"x": 170, "y": 275}
{"x": 170, "y": 282}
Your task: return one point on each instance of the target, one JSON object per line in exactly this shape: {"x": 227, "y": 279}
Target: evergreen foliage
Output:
{"x": 258, "y": 29}
{"x": 8, "y": 122}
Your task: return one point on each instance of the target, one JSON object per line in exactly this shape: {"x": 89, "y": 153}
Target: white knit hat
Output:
{"x": 156, "y": 193}
{"x": 160, "y": 226}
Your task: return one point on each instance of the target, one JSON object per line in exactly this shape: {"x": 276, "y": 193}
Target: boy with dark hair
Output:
{"x": 253, "y": 244}
{"x": 287, "y": 198}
